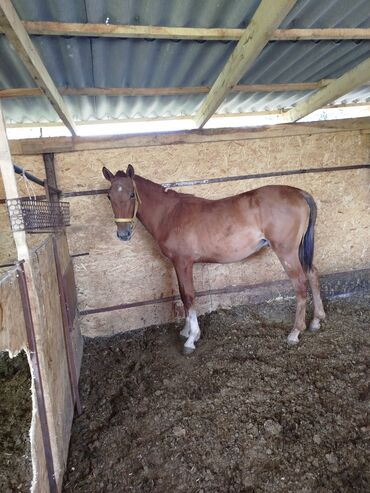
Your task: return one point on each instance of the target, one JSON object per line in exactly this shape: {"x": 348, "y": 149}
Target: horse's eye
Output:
{"x": 108, "y": 197}
{"x": 132, "y": 195}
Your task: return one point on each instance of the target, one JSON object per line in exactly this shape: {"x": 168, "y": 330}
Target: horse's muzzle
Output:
{"x": 124, "y": 235}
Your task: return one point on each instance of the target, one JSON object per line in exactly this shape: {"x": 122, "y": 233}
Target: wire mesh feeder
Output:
{"x": 37, "y": 216}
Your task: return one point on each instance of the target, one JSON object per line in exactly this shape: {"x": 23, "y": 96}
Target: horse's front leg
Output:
{"x": 184, "y": 271}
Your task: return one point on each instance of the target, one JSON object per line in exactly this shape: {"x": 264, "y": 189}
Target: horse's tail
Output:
{"x": 306, "y": 247}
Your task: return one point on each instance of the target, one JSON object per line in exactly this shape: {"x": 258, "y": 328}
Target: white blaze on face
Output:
{"x": 120, "y": 189}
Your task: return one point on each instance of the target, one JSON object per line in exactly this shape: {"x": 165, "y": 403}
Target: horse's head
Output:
{"x": 124, "y": 200}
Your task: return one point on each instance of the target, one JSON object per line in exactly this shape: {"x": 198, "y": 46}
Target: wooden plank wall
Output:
{"x": 52, "y": 352}
{"x": 114, "y": 272}
{"x": 12, "y": 327}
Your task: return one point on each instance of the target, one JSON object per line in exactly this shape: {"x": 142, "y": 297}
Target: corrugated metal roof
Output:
{"x": 102, "y": 62}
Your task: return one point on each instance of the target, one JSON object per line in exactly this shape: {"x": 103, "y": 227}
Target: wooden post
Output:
{"x": 51, "y": 180}
{"x": 10, "y": 186}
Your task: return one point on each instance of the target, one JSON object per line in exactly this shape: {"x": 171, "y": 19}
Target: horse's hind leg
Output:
{"x": 296, "y": 274}
{"x": 184, "y": 272}
{"x": 319, "y": 313}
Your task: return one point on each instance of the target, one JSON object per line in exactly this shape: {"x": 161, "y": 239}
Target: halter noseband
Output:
{"x": 132, "y": 220}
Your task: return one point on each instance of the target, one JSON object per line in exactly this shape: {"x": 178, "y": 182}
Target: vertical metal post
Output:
{"x": 67, "y": 334}
{"x": 37, "y": 377}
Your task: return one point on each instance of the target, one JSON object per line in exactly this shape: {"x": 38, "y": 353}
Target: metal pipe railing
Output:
{"x": 20, "y": 171}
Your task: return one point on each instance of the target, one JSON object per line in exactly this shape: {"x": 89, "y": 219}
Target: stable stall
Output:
{"x": 236, "y": 79}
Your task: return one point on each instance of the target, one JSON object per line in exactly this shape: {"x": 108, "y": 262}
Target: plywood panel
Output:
{"x": 40, "y": 482}
{"x": 50, "y": 344}
{"x": 82, "y": 170}
{"x": 63, "y": 250}
{"x": 52, "y": 355}
{"x": 105, "y": 324}
{"x": 13, "y": 337}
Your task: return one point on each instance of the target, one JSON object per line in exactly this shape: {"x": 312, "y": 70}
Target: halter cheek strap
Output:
{"x": 132, "y": 220}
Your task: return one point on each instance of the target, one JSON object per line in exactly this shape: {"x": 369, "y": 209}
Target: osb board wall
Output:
{"x": 12, "y": 328}
{"x": 116, "y": 272}
{"x": 35, "y": 165}
{"x": 13, "y": 339}
{"x": 52, "y": 353}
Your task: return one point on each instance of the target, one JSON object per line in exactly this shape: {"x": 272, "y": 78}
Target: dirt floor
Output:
{"x": 15, "y": 422}
{"x": 244, "y": 413}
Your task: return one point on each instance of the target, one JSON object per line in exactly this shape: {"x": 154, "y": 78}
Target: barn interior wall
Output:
{"x": 110, "y": 273}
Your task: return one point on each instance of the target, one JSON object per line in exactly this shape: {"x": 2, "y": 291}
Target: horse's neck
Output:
{"x": 154, "y": 204}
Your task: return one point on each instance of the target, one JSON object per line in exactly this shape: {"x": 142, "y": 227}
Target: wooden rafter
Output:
{"x": 186, "y": 33}
{"x": 162, "y": 91}
{"x": 266, "y": 18}
{"x": 355, "y": 77}
{"x": 279, "y": 113}
{"x": 15, "y": 32}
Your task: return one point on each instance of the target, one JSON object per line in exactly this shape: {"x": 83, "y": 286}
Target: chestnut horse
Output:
{"x": 190, "y": 229}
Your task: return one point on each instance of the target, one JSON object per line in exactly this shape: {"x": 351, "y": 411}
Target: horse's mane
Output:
{"x": 169, "y": 191}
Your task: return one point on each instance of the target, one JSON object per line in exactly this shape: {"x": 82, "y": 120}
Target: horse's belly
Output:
{"x": 233, "y": 251}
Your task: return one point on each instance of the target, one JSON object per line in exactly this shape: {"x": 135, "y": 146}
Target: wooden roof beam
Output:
{"x": 266, "y": 18}
{"x": 161, "y": 91}
{"x": 355, "y": 77}
{"x": 217, "y": 117}
{"x": 67, "y": 144}
{"x": 15, "y": 32}
{"x": 185, "y": 33}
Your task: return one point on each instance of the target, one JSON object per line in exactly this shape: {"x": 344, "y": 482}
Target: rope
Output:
{"x": 29, "y": 187}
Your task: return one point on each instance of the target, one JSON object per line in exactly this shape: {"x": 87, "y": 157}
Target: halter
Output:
{"x": 132, "y": 220}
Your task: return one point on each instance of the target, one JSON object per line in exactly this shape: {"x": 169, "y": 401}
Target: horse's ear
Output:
{"x": 107, "y": 174}
{"x": 130, "y": 171}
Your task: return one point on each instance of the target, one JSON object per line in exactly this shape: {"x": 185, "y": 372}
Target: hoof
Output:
{"x": 187, "y": 350}
{"x": 314, "y": 325}
{"x": 293, "y": 337}
{"x": 292, "y": 342}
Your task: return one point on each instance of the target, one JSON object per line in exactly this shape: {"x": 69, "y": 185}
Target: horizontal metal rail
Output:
{"x": 20, "y": 171}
